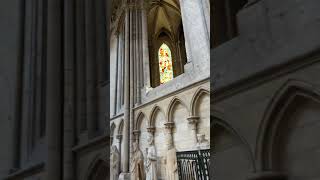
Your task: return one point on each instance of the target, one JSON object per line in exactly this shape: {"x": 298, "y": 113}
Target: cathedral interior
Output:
{"x": 160, "y": 93}
{"x": 147, "y": 89}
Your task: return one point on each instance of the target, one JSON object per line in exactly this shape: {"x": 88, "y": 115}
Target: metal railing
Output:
{"x": 194, "y": 165}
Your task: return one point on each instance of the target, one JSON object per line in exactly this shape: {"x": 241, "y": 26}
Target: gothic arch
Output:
{"x": 98, "y": 168}
{"x": 200, "y": 91}
{"x": 275, "y": 113}
{"x": 138, "y": 121}
{"x": 229, "y": 146}
{"x": 112, "y": 128}
{"x": 218, "y": 121}
{"x": 156, "y": 109}
{"x": 171, "y": 107}
{"x": 120, "y": 128}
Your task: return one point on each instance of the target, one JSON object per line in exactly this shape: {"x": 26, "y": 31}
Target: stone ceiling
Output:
{"x": 164, "y": 14}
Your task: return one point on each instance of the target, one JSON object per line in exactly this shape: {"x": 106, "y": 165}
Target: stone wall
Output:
{"x": 266, "y": 89}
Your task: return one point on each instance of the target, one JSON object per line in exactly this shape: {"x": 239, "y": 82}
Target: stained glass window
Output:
{"x": 165, "y": 63}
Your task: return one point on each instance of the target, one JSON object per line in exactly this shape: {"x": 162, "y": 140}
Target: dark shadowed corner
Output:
{"x": 54, "y": 84}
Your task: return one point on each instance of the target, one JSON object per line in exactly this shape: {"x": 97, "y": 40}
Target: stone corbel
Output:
{"x": 151, "y": 130}
{"x": 193, "y": 122}
{"x": 119, "y": 137}
{"x": 169, "y": 126}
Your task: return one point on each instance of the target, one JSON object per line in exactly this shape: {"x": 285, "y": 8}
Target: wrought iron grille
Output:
{"x": 194, "y": 165}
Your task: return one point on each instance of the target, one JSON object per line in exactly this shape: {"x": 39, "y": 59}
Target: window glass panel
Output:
{"x": 165, "y": 63}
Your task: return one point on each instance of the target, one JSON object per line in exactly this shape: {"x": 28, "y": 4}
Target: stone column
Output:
{"x": 126, "y": 124}
{"x": 54, "y": 90}
{"x": 168, "y": 129}
{"x": 193, "y": 121}
{"x": 69, "y": 71}
{"x": 145, "y": 49}
{"x": 195, "y": 32}
{"x": 91, "y": 76}
{"x": 119, "y": 138}
{"x": 115, "y": 98}
{"x": 137, "y": 52}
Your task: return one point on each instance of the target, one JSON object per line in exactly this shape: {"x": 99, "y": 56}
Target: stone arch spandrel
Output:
{"x": 156, "y": 109}
{"x": 138, "y": 120}
{"x": 112, "y": 132}
{"x": 120, "y": 127}
{"x": 231, "y": 152}
{"x": 178, "y": 113}
{"x": 174, "y": 101}
{"x": 200, "y": 107}
{"x": 98, "y": 169}
{"x": 289, "y": 117}
{"x": 141, "y": 127}
{"x": 193, "y": 105}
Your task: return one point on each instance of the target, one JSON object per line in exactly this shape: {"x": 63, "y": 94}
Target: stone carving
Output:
{"x": 202, "y": 142}
{"x": 137, "y": 167}
{"x": 171, "y": 163}
{"x": 151, "y": 161}
{"x": 115, "y": 160}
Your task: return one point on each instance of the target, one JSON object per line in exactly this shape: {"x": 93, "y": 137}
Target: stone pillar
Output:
{"x": 126, "y": 124}
{"x": 193, "y": 122}
{"x": 267, "y": 175}
{"x": 195, "y": 32}
{"x": 116, "y": 95}
{"x": 119, "y": 138}
{"x": 54, "y": 90}
{"x": 145, "y": 49}
{"x": 69, "y": 71}
{"x": 169, "y": 136}
{"x": 91, "y": 76}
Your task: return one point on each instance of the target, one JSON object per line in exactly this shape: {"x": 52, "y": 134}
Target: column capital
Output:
{"x": 169, "y": 125}
{"x": 119, "y": 136}
{"x": 136, "y": 132}
{"x": 151, "y": 129}
{"x": 193, "y": 119}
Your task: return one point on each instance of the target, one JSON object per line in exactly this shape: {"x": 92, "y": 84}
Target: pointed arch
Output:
{"x": 98, "y": 169}
{"x": 112, "y": 128}
{"x": 218, "y": 121}
{"x": 275, "y": 112}
{"x": 138, "y": 120}
{"x": 156, "y": 109}
{"x": 175, "y": 101}
{"x": 200, "y": 91}
{"x": 120, "y": 128}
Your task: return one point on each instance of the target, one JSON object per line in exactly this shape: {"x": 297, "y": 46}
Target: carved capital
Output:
{"x": 193, "y": 121}
{"x": 151, "y": 129}
{"x": 169, "y": 125}
{"x": 119, "y": 137}
{"x": 136, "y": 132}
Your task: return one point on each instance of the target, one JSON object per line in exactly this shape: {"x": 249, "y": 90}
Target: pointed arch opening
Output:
{"x": 289, "y": 119}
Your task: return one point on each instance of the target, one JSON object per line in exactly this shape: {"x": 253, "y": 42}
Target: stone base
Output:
{"x": 124, "y": 176}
